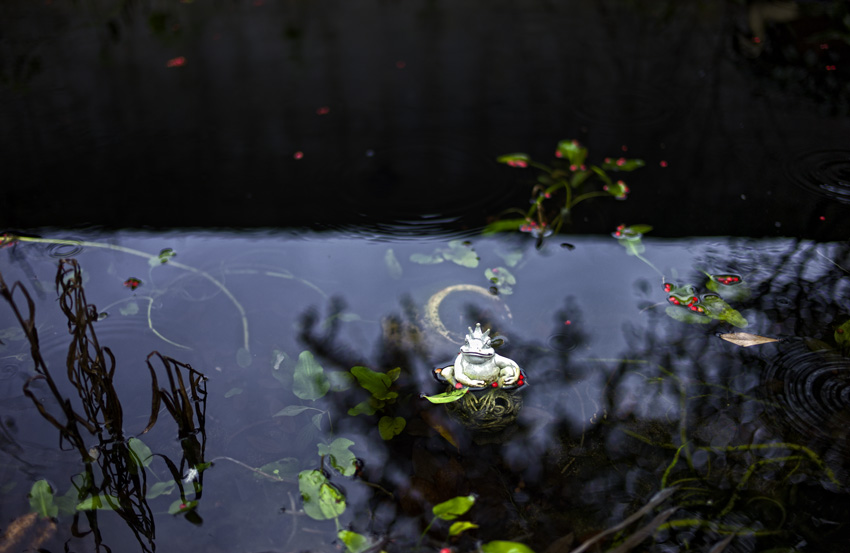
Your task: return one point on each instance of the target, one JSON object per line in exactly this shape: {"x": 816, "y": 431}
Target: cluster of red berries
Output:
{"x": 132, "y": 283}
{"x": 691, "y": 303}
{"x": 517, "y": 163}
{"x": 619, "y": 232}
{"x": 727, "y": 279}
{"x": 532, "y": 226}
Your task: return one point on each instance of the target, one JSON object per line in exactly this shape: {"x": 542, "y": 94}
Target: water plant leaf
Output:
{"x": 716, "y": 308}
{"x": 292, "y": 410}
{"x": 98, "y": 502}
{"x": 622, "y": 164}
{"x": 447, "y": 397}
{"x": 279, "y": 370}
{"x": 354, "y": 542}
{"x": 140, "y": 453}
{"x": 368, "y": 407}
{"x": 232, "y": 392}
{"x": 502, "y": 278}
{"x": 498, "y": 546}
{"x": 377, "y": 384}
{"x": 503, "y": 225}
{"x": 389, "y": 427}
{"x": 179, "y": 506}
{"x": 730, "y": 287}
{"x": 160, "y": 488}
{"x": 340, "y": 456}
{"x": 317, "y": 420}
{"x": 517, "y": 159}
{"x": 243, "y": 358}
{"x": 454, "y": 507}
{"x": 842, "y": 334}
{"x": 41, "y": 499}
{"x": 573, "y": 151}
{"x": 130, "y": 309}
{"x": 393, "y": 266}
{"x": 461, "y": 253}
{"x": 283, "y": 468}
{"x": 745, "y": 339}
{"x": 322, "y": 500}
{"x": 511, "y": 258}
{"x": 686, "y": 316}
{"x": 461, "y": 526}
{"x": 309, "y": 380}
{"x": 426, "y": 259}
{"x": 340, "y": 380}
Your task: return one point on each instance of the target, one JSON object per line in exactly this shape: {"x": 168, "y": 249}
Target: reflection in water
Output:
{"x": 826, "y": 172}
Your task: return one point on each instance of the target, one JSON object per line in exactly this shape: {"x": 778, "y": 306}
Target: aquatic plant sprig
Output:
{"x": 564, "y": 185}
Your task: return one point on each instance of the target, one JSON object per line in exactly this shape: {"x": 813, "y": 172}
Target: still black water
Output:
{"x": 302, "y": 160}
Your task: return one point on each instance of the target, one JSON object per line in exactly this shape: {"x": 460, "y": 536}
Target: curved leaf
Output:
{"x": 454, "y": 507}
{"x": 309, "y": 380}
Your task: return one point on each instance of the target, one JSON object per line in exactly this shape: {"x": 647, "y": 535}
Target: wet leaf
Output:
{"x": 340, "y": 380}
{"x": 339, "y": 455}
{"x": 393, "y": 266}
{"x": 511, "y": 258}
{"x": 232, "y": 392}
{"x": 424, "y": 259}
{"x": 454, "y": 507}
{"x": 243, "y": 358}
{"x": 502, "y": 226}
{"x": 309, "y": 380}
{"x": 390, "y": 427}
{"x": 368, "y": 407}
{"x": 461, "y": 253}
{"x": 746, "y": 340}
{"x": 377, "y": 384}
{"x": 730, "y": 287}
{"x": 322, "y": 500}
{"x": 622, "y": 164}
{"x": 317, "y": 420}
{"x": 716, "y": 308}
{"x": 447, "y": 397}
{"x": 461, "y": 526}
{"x": 130, "y": 309}
{"x": 179, "y": 507}
{"x": 41, "y": 500}
{"x": 686, "y": 316}
{"x": 292, "y": 410}
{"x": 354, "y": 542}
{"x": 502, "y": 278}
{"x": 505, "y": 547}
{"x": 283, "y": 468}
{"x": 573, "y": 151}
{"x": 140, "y": 453}
{"x": 98, "y": 502}
{"x": 842, "y": 334}
{"x": 517, "y": 159}
{"x": 160, "y": 488}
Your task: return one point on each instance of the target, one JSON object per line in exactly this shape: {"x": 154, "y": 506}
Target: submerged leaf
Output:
{"x": 378, "y": 384}
{"x": 309, "y": 380}
{"x": 243, "y": 358}
{"x": 130, "y": 309}
{"x": 389, "y": 427}
{"x": 842, "y": 334}
{"x": 454, "y": 507}
{"x": 99, "y": 502}
{"x": 41, "y": 499}
{"x": 160, "y": 488}
{"x": 292, "y": 410}
{"x": 282, "y": 468}
{"x": 322, "y": 500}
{"x": 340, "y": 456}
{"x": 684, "y": 315}
{"x": 393, "y": 266}
{"x": 424, "y": 259}
{"x": 746, "y": 340}
{"x": 140, "y": 453}
{"x": 461, "y": 253}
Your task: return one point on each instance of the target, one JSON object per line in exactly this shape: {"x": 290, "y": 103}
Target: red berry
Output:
{"x": 458, "y": 386}
{"x": 495, "y": 384}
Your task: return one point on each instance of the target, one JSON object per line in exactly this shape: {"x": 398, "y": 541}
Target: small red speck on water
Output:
{"x": 182, "y": 506}
{"x": 400, "y": 64}
{"x": 756, "y": 40}
{"x": 822, "y": 218}
{"x": 179, "y": 61}
{"x": 568, "y": 322}
{"x": 830, "y": 68}
{"x": 624, "y": 148}
{"x": 298, "y": 155}
{"x": 458, "y": 386}
{"x": 824, "y": 46}
{"x": 662, "y": 163}
{"x": 324, "y": 110}
{"x": 445, "y": 550}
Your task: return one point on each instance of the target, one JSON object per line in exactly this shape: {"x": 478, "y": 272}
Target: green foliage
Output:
{"x": 730, "y": 287}
{"x": 322, "y": 500}
{"x": 505, "y": 547}
{"x": 354, "y": 542}
{"x": 389, "y": 427}
{"x": 448, "y": 397}
{"x": 160, "y": 488}
{"x": 41, "y": 499}
{"x": 461, "y": 526}
{"x": 377, "y": 384}
{"x": 140, "y": 453}
{"x": 842, "y": 335}
{"x": 502, "y": 278}
{"x": 718, "y": 309}
{"x": 454, "y": 507}
{"x": 458, "y": 251}
{"x": 99, "y": 502}
{"x": 309, "y": 380}
{"x": 340, "y": 456}
{"x": 567, "y": 182}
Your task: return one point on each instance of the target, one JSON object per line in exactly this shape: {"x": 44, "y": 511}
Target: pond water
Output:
{"x": 275, "y": 220}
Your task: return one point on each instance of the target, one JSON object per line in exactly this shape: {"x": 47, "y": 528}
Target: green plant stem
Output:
{"x": 586, "y": 196}
{"x": 139, "y": 253}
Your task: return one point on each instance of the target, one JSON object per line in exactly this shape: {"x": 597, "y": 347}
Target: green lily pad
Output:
{"x": 340, "y": 456}
{"x": 426, "y": 259}
{"x": 461, "y": 253}
{"x": 389, "y": 427}
{"x": 322, "y": 500}
{"x": 502, "y": 278}
{"x": 309, "y": 380}
{"x": 41, "y": 499}
{"x": 354, "y": 542}
{"x": 716, "y": 308}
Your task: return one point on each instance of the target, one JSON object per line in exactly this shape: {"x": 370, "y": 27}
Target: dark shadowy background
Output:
{"x": 401, "y": 107}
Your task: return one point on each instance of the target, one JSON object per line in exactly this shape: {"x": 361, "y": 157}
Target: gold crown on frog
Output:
{"x": 483, "y": 337}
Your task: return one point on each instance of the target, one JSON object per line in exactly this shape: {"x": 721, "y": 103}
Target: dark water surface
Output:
{"x": 303, "y": 161}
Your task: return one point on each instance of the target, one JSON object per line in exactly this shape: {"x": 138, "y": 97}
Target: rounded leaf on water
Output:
{"x": 505, "y": 547}
{"x": 454, "y": 507}
{"x": 354, "y": 542}
{"x": 389, "y": 427}
{"x": 461, "y": 526}
{"x": 340, "y": 456}
{"x": 309, "y": 380}
{"x": 322, "y": 500}
{"x": 41, "y": 499}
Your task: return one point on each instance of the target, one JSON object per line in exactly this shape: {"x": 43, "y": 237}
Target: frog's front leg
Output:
{"x": 509, "y": 370}
{"x": 466, "y": 381}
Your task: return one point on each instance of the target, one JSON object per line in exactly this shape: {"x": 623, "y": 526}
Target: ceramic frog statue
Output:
{"x": 478, "y": 366}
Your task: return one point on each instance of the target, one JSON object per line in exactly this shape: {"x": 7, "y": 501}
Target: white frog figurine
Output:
{"x": 478, "y": 365}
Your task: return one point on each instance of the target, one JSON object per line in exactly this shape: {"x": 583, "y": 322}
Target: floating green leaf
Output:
{"x": 685, "y": 315}
{"x": 140, "y": 453}
{"x": 282, "y": 468}
{"x": 424, "y": 259}
{"x": 354, "y": 542}
{"x": 511, "y": 258}
{"x": 232, "y": 392}
{"x": 163, "y": 257}
{"x": 502, "y": 278}
{"x": 178, "y": 506}
{"x": 309, "y": 380}
{"x": 340, "y": 380}
{"x": 292, "y": 410}
{"x": 41, "y": 499}
{"x": 340, "y": 456}
{"x": 393, "y": 266}
{"x": 461, "y": 526}
{"x": 505, "y": 547}
{"x": 622, "y": 164}
{"x": 99, "y": 502}
{"x": 716, "y": 308}
{"x": 377, "y": 384}
{"x": 447, "y": 397}
{"x": 322, "y": 500}
{"x": 160, "y": 488}
{"x": 517, "y": 159}
{"x": 461, "y": 253}
{"x": 454, "y": 507}
{"x": 730, "y": 287}
{"x": 389, "y": 427}
{"x": 368, "y": 407}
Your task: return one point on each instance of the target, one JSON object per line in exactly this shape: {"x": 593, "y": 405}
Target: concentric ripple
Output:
{"x": 825, "y": 172}
{"x": 810, "y": 394}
